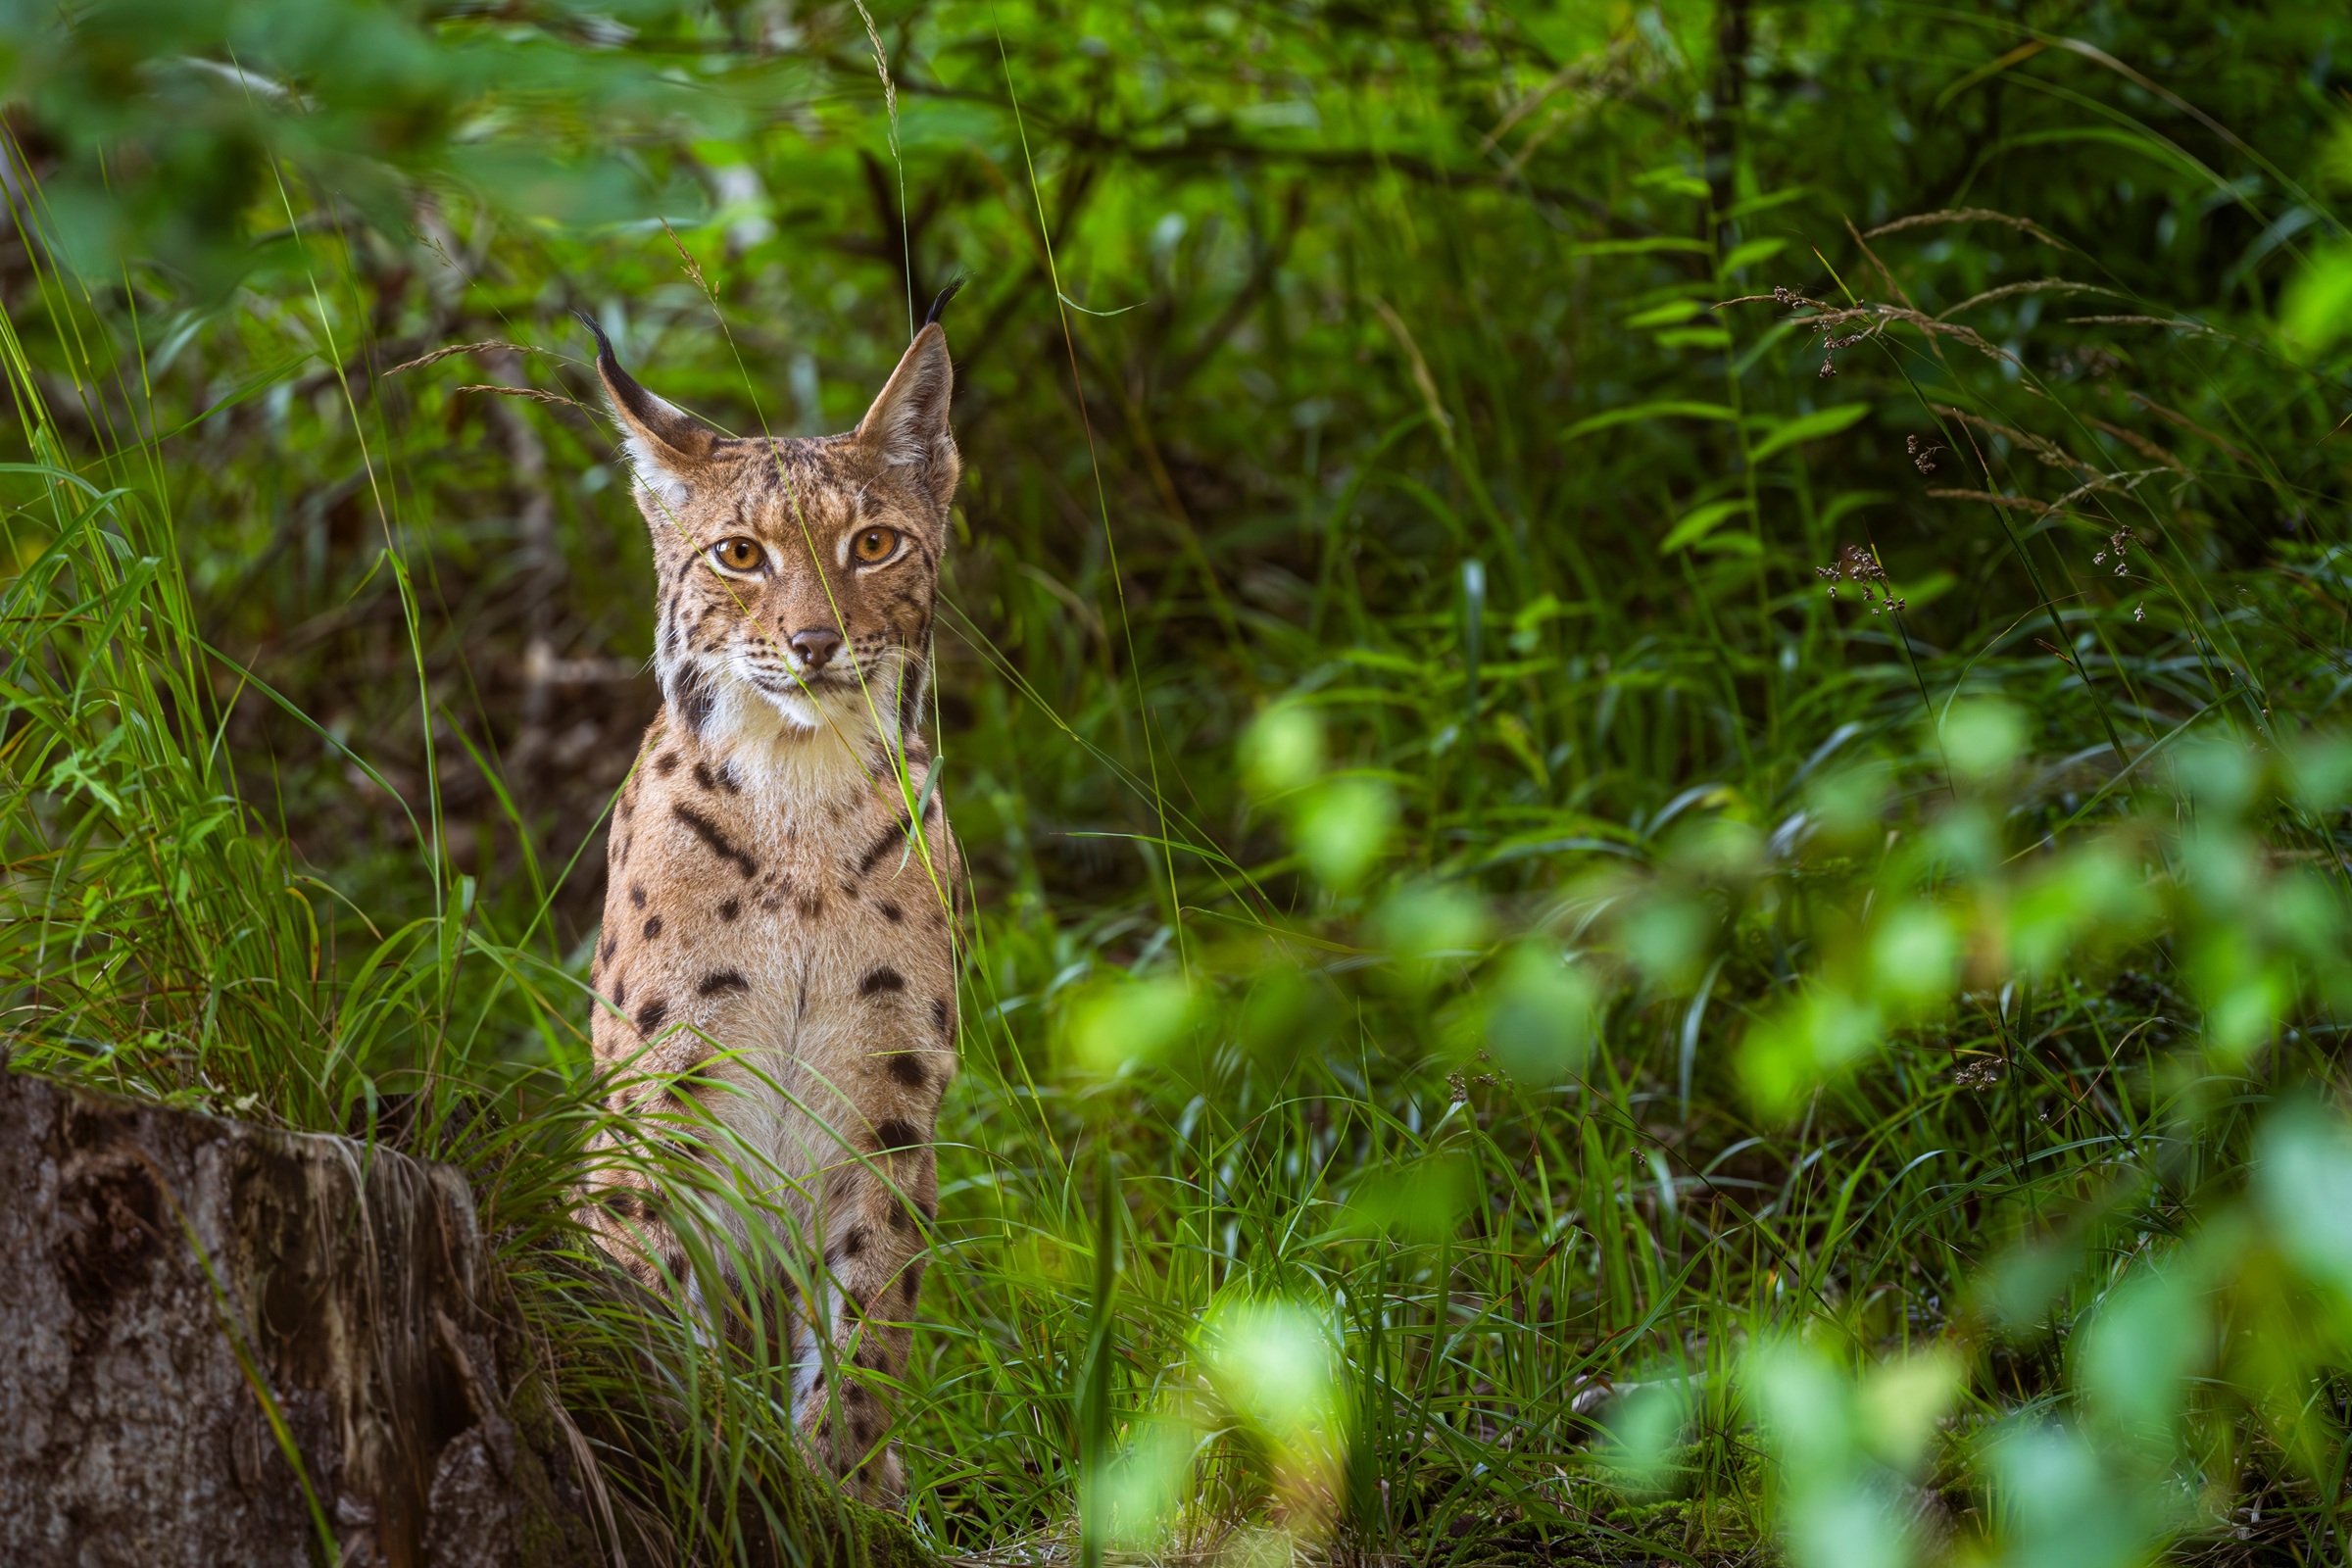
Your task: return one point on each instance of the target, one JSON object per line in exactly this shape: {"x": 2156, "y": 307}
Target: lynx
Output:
{"x": 778, "y": 958}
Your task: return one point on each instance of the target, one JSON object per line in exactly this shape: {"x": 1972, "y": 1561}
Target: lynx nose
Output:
{"x": 817, "y": 647}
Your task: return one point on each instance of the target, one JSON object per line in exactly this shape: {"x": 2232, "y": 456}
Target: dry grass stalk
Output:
{"x": 1874, "y": 320}
{"x": 2039, "y": 286}
{"x": 2048, "y": 452}
{"x": 1971, "y": 215}
{"x": 2144, "y": 446}
{"x": 531, "y": 392}
{"x": 2013, "y": 503}
{"x": 2173, "y": 321}
{"x": 438, "y": 355}
{"x": 2120, "y": 483}
{"x": 694, "y": 269}
{"x": 2193, "y": 428}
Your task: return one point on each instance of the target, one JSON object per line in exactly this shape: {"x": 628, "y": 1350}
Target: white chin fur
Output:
{"x": 796, "y": 708}
{"x": 805, "y": 742}
{"x": 795, "y": 749}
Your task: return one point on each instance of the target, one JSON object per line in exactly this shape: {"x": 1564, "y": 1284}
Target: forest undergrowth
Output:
{"x": 1644, "y": 701}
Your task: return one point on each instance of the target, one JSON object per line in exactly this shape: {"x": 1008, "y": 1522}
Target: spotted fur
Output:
{"x": 778, "y": 948}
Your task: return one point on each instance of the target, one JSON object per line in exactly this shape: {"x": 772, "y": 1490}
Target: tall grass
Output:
{"x": 1504, "y": 1020}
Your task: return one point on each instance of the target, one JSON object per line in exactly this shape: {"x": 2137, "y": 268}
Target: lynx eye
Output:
{"x": 738, "y": 555}
{"x": 874, "y": 544}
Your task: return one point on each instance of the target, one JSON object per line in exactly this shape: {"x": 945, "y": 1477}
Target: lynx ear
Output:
{"x": 908, "y": 425}
{"x": 665, "y": 443}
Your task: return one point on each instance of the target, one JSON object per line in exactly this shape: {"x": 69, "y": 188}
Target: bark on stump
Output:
{"x": 183, "y": 1300}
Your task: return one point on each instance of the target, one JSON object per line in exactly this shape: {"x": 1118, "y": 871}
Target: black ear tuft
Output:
{"x": 604, "y": 344}
{"x": 940, "y": 304}
{"x": 662, "y": 436}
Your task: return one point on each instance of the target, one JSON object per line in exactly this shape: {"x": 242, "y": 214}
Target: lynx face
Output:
{"x": 796, "y": 576}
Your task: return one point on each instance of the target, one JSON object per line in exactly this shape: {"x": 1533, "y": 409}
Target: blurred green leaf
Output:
{"x": 2317, "y": 311}
{"x": 1780, "y": 434}
{"x": 1114, "y": 1027}
{"x": 1149, "y": 1484}
{"x": 1983, "y": 739}
{"x": 1800, "y": 1043}
{"x": 2092, "y": 900}
{"x": 2059, "y": 1506}
{"x": 1419, "y": 1202}
{"x": 1423, "y": 924}
{"x": 2219, "y": 774}
{"x": 2322, "y": 771}
{"x": 1849, "y": 802}
{"x": 1666, "y": 935}
{"x": 1672, "y": 408}
{"x": 1343, "y": 828}
{"x": 1281, "y": 751}
{"x": 1644, "y": 1429}
{"x": 1540, "y": 1017}
{"x": 1900, "y": 1401}
{"x": 1807, "y": 1409}
{"x": 1671, "y": 314}
{"x": 1699, "y": 521}
{"x": 1915, "y": 956}
{"x": 2302, "y": 1181}
{"x": 1750, "y": 253}
{"x": 1272, "y": 1362}
{"x": 2138, "y": 1352}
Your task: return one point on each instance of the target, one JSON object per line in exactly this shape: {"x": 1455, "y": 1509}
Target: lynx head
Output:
{"x": 796, "y": 576}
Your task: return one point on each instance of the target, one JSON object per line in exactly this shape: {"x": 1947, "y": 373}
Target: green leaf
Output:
{"x": 1667, "y": 407}
{"x": 2136, "y": 1356}
{"x": 1666, "y": 314}
{"x": 1750, "y": 253}
{"x": 1419, "y": 1202}
{"x": 1640, "y": 247}
{"x": 1540, "y": 1018}
{"x": 2303, "y": 1186}
{"x": 2317, "y": 311}
{"x": 1694, "y": 337}
{"x": 1847, "y": 501}
{"x": 1282, "y": 750}
{"x": 1675, "y": 179}
{"x": 1808, "y": 427}
{"x": 1765, "y": 200}
{"x": 1120, "y": 1025}
{"x": 1699, "y": 521}
{"x": 1342, "y": 827}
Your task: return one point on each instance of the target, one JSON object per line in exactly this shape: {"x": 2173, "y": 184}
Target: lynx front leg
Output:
{"x": 873, "y": 1269}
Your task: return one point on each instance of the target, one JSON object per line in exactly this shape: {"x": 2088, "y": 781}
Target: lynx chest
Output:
{"x": 786, "y": 940}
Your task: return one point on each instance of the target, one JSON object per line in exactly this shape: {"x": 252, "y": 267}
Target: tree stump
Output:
{"x": 221, "y": 1345}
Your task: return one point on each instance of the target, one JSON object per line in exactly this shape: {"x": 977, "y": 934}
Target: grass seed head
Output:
{"x": 1855, "y": 564}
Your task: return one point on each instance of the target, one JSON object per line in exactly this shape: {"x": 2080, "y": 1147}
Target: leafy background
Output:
{"x": 1611, "y": 925}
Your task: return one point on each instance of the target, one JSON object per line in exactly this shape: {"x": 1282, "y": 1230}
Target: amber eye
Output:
{"x": 875, "y": 544}
{"x": 737, "y": 555}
